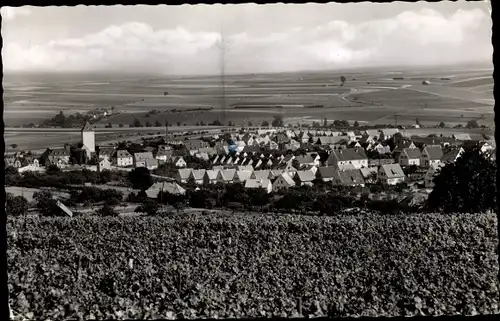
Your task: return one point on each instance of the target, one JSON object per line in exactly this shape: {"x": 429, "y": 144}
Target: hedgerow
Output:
{"x": 212, "y": 265}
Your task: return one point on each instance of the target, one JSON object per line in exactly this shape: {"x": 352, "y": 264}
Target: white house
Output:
{"x": 241, "y": 176}
{"x": 103, "y": 164}
{"x": 305, "y": 178}
{"x": 226, "y": 175}
{"x": 141, "y": 159}
{"x": 183, "y": 175}
{"x": 391, "y": 174}
{"x": 123, "y": 158}
{"x": 179, "y": 162}
{"x": 259, "y": 183}
{"x": 410, "y": 156}
{"x": 210, "y": 177}
{"x": 197, "y": 175}
{"x": 431, "y": 155}
{"x": 350, "y": 156}
{"x": 283, "y": 181}
{"x": 349, "y": 178}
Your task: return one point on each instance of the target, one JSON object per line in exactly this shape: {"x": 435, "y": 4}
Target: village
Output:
{"x": 272, "y": 158}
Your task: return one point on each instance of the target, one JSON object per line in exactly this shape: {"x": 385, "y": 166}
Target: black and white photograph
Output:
{"x": 240, "y": 161}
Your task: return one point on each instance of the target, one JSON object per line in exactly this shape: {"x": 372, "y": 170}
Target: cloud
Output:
{"x": 423, "y": 37}
{"x": 10, "y": 13}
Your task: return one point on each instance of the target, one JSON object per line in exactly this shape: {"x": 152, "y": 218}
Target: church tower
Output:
{"x": 88, "y": 139}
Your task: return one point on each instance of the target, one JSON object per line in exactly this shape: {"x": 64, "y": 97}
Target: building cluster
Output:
{"x": 278, "y": 159}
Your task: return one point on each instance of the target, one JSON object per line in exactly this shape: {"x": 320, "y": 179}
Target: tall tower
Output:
{"x": 88, "y": 138}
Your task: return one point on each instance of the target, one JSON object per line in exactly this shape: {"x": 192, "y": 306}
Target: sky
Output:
{"x": 186, "y": 40}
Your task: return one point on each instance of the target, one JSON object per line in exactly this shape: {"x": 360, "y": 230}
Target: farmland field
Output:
{"x": 249, "y": 266}
{"x": 370, "y": 96}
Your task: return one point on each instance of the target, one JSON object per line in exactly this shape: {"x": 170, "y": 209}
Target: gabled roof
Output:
{"x": 287, "y": 178}
{"x": 257, "y": 183}
{"x": 434, "y": 152}
{"x": 106, "y": 151}
{"x": 326, "y": 172}
{"x": 243, "y": 175}
{"x": 389, "y": 131}
{"x": 58, "y": 152}
{"x": 169, "y": 187}
{"x": 462, "y": 137}
{"x": 348, "y": 154}
{"x": 306, "y": 176}
{"x": 393, "y": 170}
{"x": 184, "y": 173}
{"x": 450, "y": 155}
{"x": 198, "y": 174}
{"x": 412, "y": 153}
{"x": 261, "y": 174}
{"x": 350, "y": 177}
{"x": 227, "y": 174}
{"x": 367, "y": 171}
{"x": 212, "y": 174}
{"x": 304, "y": 159}
{"x": 143, "y": 156}
{"x": 87, "y": 128}
{"x": 372, "y": 132}
{"x": 123, "y": 153}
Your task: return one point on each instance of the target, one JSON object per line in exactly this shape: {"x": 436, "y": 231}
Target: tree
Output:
{"x": 178, "y": 123}
{"x": 342, "y": 80}
{"x": 14, "y": 146}
{"x": 442, "y": 125}
{"x": 466, "y": 186}
{"x": 46, "y": 204}
{"x": 120, "y": 125}
{"x": 148, "y": 206}
{"x": 472, "y": 124}
{"x": 140, "y": 178}
{"x": 356, "y": 124}
{"x": 165, "y": 93}
{"x": 16, "y": 205}
{"x": 277, "y": 121}
{"x": 137, "y": 123}
{"x": 325, "y": 122}
{"x": 417, "y": 121}
{"x": 12, "y": 176}
{"x": 106, "y": 210}
{"x": 157, "y": 124}
{"x": 265, "y": 123}
{"x": 148, "y": 124}
{"x": 250, "y": 124}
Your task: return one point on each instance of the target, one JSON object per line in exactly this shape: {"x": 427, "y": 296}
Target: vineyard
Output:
{"x": 226, "y": 266}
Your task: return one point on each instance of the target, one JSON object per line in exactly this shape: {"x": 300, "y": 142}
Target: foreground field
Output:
{"x": 250, "y": 266}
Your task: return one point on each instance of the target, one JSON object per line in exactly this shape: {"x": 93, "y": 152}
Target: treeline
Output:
{"x": 71, "y": 121}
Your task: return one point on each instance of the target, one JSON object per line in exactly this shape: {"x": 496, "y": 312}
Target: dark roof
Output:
{"x": 87, "y": 128}
{"x": 450, "y": 155}
{"x": 435, "y": 152}
{"x": 304, "y": 159}
{"x": 350, "y": 177}
{"x": 393, "y": 170}
{"x": 325, "y": 172}
{"x": 348, "y": 154}
{"x": 412, "y": 153}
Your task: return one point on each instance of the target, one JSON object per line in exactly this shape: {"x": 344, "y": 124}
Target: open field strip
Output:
{"x": 235, "y": 265}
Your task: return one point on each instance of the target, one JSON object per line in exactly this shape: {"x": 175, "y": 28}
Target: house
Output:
{"x": 259, "y": 183}
{"x": 382, "y": 149}
{"x": 197, "y": 176}
{"x": 183, "y": 175}
{"x": 330, "y": 140}
{"x": 103, "y": 164}
{"x": 431, "y": 173}
{"x": 354, "y": 157}
{"x": 388, "y": 133}
{"x": 208, "y": 150}
{"x": 240, "y": 176}
{"x": 210, "y": 177}
{"x": 164, "y": 154}
{"x": 292, "y": 145}
{"x": 106, "y": 152}
{"x": 451, "y": 156}
{"x": 410, "y": 156}
{"x": 304, "y": 178}
{"x": 369, "y": 174}
{"x": 140, "y": 159}
{"x": 195, "y": 144}
{"x": 272, "y": 145}
{"x": 304, "y": 160}
{"x": 59, "y": 157}
{"x": 282, "y": 182}
{"x": 404, "y": 143}
{"x": 203, "y": 156}
{"x": 391, "y": 174}
{"x": 326, "y": 174}
{"x": 179, "y": 162}
{"x": 462, "y": 137}
{"x": 351, "y": 177}
{"x": 123, "y": 158}
{"x": 226, "y": 175}
{"x": 372, "y": 133}
{"x": 431, "y": 155}
{"x": 165, "y": 187}
{"x": 261, "y": 174}
{"x": 244, "y": 168}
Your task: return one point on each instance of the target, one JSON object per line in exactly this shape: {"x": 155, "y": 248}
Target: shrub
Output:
{"x": 148, "y": 206}
{"x": 46, "y": 204}
{"x": 106, "y": 210}
{"x": 16, "y": 205}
